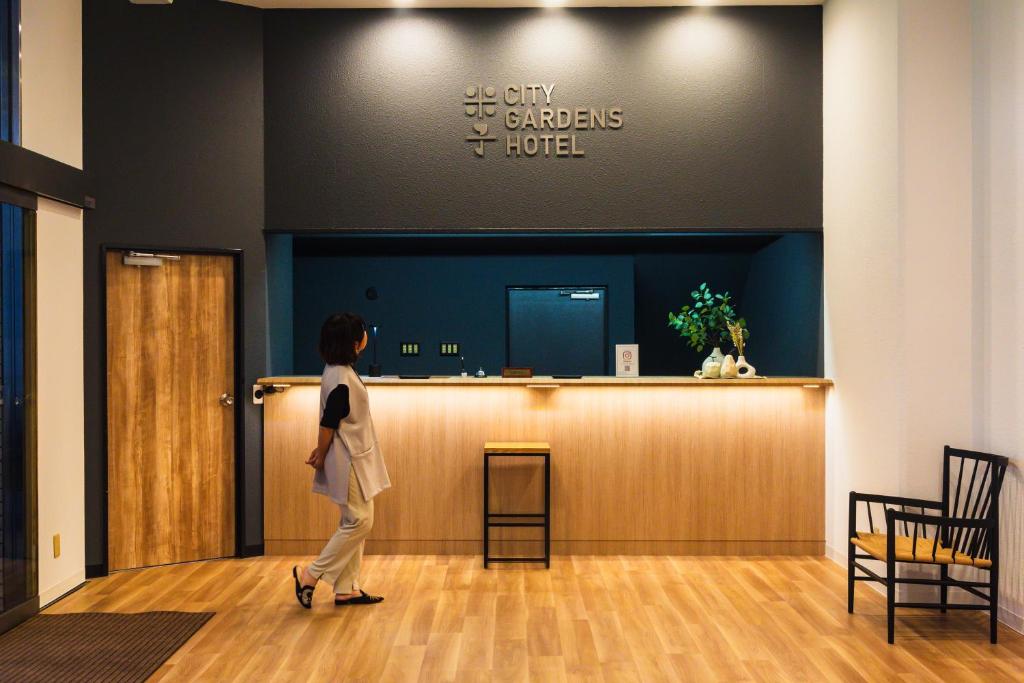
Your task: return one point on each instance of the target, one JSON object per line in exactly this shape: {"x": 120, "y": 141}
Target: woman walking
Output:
{"x": 348, "y": 465}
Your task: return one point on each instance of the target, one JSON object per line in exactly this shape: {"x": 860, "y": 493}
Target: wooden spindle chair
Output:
{"x": 965, "y": 532}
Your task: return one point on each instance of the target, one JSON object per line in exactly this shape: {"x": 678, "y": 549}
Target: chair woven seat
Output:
{"x": 876, "y": 546}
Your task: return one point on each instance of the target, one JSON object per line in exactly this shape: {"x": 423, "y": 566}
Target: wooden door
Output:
{"x": 170, "y": 418}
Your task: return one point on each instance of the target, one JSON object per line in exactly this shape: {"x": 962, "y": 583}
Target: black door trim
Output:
{"x": 239, "y": 325}
{"x": 32, "y": 172}
{"x": 16, "y": 197}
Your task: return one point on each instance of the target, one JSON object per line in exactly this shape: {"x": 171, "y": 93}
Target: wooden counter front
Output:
{"x": 662, "y": 466}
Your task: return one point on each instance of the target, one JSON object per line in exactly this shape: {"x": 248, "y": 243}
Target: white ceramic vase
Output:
{"x": 715, "y": 357}
{"x": 728, "y": 370}
{"x": 711, "y": 371}
{"x": 745, "y": 370}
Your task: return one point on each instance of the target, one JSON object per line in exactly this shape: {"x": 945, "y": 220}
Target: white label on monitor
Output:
{"x": 627, "y": 360}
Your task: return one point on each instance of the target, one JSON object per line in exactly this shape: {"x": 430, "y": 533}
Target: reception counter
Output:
{"x": 647, "y": 465}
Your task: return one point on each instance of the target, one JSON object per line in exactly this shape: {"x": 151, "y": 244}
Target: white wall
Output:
{"x": 59, "y": 398}
{"x": 52, "y": 125}
{"x": 998, "y": 292}
{"x": 923, "y": 252}
{"x": 935, "y": 236}
{"x": 51, "y": 76}
{"x": 864, "y": 340}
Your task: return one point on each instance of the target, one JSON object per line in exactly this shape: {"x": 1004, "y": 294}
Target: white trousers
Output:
{"x": 341, "y": 558}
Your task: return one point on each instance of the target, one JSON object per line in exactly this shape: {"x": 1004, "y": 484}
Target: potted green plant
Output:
{"x": 705, "y": 322}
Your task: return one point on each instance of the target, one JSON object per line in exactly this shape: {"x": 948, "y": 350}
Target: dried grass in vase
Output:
{"x": 736, "y": 332}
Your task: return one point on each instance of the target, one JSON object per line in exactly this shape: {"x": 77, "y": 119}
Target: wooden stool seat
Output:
{"x": 517, "y": 447}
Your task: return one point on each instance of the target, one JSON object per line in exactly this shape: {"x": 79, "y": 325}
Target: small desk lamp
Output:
{"x": 375, "y": 365}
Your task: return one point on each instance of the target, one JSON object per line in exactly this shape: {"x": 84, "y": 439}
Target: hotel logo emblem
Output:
{"x": 480, "y": 137}
{"x": 480, "y": 101}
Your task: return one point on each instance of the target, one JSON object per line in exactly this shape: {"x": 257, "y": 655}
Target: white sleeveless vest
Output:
{"x": 354, "y": 444}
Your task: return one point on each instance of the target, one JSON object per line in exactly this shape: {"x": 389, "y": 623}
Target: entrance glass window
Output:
{"x": 17, "y": 472}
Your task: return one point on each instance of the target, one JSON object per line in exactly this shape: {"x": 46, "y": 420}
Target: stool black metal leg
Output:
{"x": 547, "y": 510}
{"x": 502, "y": 518}
{"x": 487, "y": 519}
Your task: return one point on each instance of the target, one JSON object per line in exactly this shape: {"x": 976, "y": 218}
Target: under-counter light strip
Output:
{"x": 490, "y": 4}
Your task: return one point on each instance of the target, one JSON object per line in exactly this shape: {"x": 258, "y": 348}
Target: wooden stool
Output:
{"x": 518, "y": 448}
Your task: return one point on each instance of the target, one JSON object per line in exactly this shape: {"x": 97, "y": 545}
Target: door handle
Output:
{"x": 227, "y": 400}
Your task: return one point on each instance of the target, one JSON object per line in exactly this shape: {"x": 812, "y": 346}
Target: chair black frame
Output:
{"x": 503, "y": 517}
{"x": 972, "y": 530}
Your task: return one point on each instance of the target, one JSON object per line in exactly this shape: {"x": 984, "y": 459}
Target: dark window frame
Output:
{"x": 10, "y": 71}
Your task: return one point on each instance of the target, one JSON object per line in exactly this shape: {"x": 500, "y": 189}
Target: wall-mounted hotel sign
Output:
{"x": 533, "y": 126}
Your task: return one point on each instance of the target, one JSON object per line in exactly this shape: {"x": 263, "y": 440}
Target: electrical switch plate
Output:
{"x": 449, "y": 348}
{"x": 410, "y": 348}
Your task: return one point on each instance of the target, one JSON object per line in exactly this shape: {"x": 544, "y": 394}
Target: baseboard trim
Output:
{"x": 254, "y": 550}
{"x": 95, "y": 571}
{"x": 531, "y": 547}
{"x": 837, "y": 556}
{"x": 1011, "y": 620}
{"x": 58, "y": 591}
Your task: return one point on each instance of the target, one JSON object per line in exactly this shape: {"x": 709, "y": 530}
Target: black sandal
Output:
{"x": 304, "y": 594}
{"x": 362, "y": 599}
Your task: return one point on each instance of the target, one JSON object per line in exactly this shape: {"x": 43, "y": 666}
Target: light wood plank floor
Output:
{"x": 588, "y": 618}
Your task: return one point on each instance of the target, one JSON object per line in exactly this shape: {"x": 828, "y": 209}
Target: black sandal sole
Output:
{"x": 364, "y": 599}
{"x": 300, "y": 590}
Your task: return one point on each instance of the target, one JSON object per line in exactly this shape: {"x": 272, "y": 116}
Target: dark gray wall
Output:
{"x": 173, "y": 123}
{"x": 722, "y": 107}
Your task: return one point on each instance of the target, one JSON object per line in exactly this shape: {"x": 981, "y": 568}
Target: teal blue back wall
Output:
{"x": 776, "y": 287}
{"x": 663, "y": 284}
{"x": 429, "y": 299}
{"x": 782, "y": 304}
{"x": 460, "y": 297}
{"x": 280, "y": 317}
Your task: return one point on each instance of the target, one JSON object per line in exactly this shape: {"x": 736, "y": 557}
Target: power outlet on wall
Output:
{"x": 410, "y": 348}
{"x": 449, "y": 348}
{"x": 56, "y": 546}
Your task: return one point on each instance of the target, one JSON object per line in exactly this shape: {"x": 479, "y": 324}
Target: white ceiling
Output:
{"x": 353, "y": 4}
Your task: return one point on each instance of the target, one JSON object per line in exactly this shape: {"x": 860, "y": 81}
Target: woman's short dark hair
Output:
{"x": 338, "y": 338}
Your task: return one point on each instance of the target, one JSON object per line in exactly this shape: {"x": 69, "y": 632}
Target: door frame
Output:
{"x": 239, "y": 262}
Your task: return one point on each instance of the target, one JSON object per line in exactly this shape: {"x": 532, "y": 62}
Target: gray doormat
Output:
{"x": 94, "y": 646}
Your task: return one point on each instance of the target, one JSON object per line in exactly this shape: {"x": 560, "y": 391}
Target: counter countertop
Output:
{"x": 549, "y": 382}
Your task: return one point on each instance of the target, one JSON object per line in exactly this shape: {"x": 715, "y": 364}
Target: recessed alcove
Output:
{"x": 447, "y": 287}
